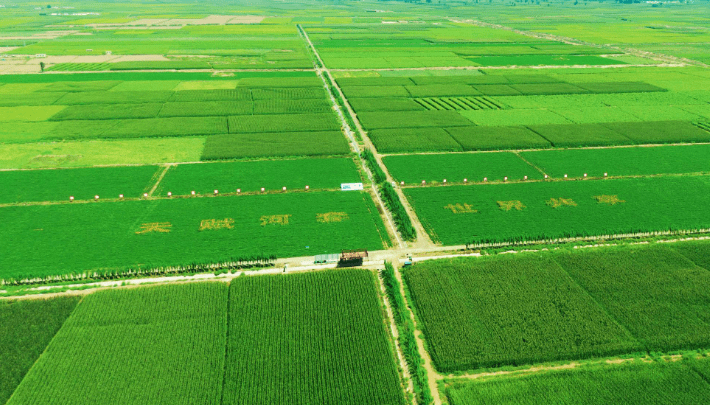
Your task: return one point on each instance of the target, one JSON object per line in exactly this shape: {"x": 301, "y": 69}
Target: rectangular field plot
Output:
{"x": 100, "y": 152}
{"x": 414, "y": 140}
{"x": 633, "y": 384}
{"x": 226, "y": 177}
{"x": 82, "y": 184}
{"x": 283, "y": 123}
{"x": 580, "y": 135}
{"x": 275, "y": 144}
{"x": 167, "y": 347}
{"x": 309, "y": 338}
{"x": 434, "y": 168}
{"x": 116, "y": 235}
{"x": 509, "y": 311}
{"x": 548, "y": 210}
{"x": 658, "y": 295}
{"x": 622, "y": 161}
{"x": 27, "y": 328}
{"x": 497, "y": 138}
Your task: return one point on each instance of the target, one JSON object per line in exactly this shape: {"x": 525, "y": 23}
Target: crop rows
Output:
{"x": 531, "y": 308}
{"x": 634, "y": 383}
{"x": 458, "y": 103}
{"x": 179, "y": 231}
{"x": 300, "y": 339}
{"x": 561, "y": 209}
{"x": 334, "y": 323}
{"x": 177, "y": 331}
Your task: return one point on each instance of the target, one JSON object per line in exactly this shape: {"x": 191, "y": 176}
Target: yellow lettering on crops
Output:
{"x": 214, "y": 224}
{"x": 461, "y": 208}
{"x": 608, "y": 199}
{"x": 561, "y": 202}
{"x": 509, "y": 205}
{"x": 332, "y": 217}
{"x": 275, "y": 219}
{"x": 163, "y": 227}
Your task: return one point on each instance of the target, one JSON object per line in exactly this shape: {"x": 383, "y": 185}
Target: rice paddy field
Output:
{"x": 171, "y": 143}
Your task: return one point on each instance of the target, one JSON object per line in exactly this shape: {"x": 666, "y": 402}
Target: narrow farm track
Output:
{"x": 423, "y": 240}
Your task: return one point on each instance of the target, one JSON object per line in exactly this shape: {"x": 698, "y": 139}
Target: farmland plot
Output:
{"x": 413, "y": 169}
{"x": 308, "y": 338}
{"x": 622, "y": 161}
{"x": 167, "y": 347}
{"x": 275, "y": 144}
{"x": 548, "y": 210}
{"x": 82, "y": 184}
{"x": 508, "y": 311}
{"x": 27, "y": 328}
{"x": 660, "y": 296}
{"x": 112, "y": 236}
{"x": 252, "y": 176}
{"x": 624, "y": 384}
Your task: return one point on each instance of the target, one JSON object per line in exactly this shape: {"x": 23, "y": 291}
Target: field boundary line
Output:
{"x": 433, "y": 376}
{"x": 530, "y": 164}
{"x": 422, "y": 235}
{"x": 321, "y": 71}
{"x": 160, "y": 179}
{"x": 389, "y": 314}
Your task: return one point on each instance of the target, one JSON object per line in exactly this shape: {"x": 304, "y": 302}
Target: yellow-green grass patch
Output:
{"x": 29, "y": 113}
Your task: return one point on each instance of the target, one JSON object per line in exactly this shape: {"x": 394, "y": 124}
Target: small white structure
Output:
{"x": 109, "y": 53}
{"x": 145, "y": 195}
{"x": 71, "y": 198}
{"x": 96, "y": 197}
{"x": 284, "y": 188}
{"x": 351, "y": 186}
{"x": 263, "y": 189}
{"x": 120, "y": 196}
{"x": 170, "y": 194}
{"x": 192, "y": 192}
{"x": 216, "y": 192}
{"x": 307, "y": 188}
{"x": 239, "y": 190}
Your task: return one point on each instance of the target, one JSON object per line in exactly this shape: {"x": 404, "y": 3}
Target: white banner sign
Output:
{"x": 351, "y": 186}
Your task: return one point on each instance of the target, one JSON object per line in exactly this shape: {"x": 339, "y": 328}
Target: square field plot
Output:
{"x": 28, "y": 327}
{"x": 315, "y": 338}
{"x": 657, "y": 294}
{"x": 178, "y": 332}
{"x": 118, "y": 235}
{"x": 549, "y": 210}
{"x": 509, "y": 311}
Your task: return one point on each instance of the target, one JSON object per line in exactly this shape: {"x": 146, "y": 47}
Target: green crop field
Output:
{"x": 474, "y": 167}
{"x": 472, "y": 126}
{"x": 331, "y": 348}
{"x": 179, "y": 332}
{"x": 510, "y": 310}
{"x": 179, "y": 231}
{"x": 252, "y": 176}
{"x": 27, "y": 328}
{"x": 657, "y": 294}
{"x": 549, "y": 210}
{"x": 82, "y": 184}
{"x": 628, "y": 384}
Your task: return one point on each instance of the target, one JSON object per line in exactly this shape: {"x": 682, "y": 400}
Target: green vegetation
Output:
{"x": 82, "y": 184}
{"x": 406, "y": 329}
{"x": 155, "y": 324}
{"x": 27, "y": 328}
{"x": 399, "y": 213}
{"x": 337, "y": 347}
{"x": 635, "y": 383}
{"x": 510, "y": 311}
{"x": 275, "y": 144}
{"x": 252, "y": 176}
{"x": 548, "y": 210}
{"x": 632, "y": 161}
{"x": 180, "y": 231}
{"x": 658, "y": 295}
{"x": 454, "y": 168}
